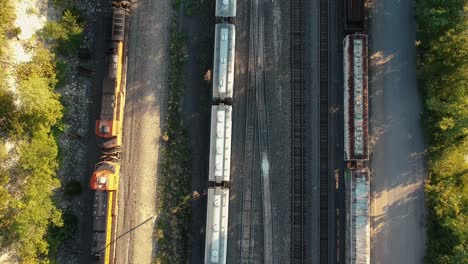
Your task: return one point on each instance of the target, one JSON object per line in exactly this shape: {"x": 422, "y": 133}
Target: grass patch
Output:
{"x": 172, "y": 227}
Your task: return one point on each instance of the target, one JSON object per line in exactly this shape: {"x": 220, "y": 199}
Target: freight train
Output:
{"x": 105, "y": 178}
{"x": 356, "y": 134}
{"x": 221, "y": 129}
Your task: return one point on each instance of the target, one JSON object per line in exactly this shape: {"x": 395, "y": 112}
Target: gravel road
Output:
{"x": 397, "y": 161}
{"x": 145, "y": 103}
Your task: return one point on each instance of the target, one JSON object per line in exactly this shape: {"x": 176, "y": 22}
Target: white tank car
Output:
{"x": 220, "y": 143}
{"x": 224, "y": 55}
{"x": 217, "y": 226}
{"x": 225, "y": 8}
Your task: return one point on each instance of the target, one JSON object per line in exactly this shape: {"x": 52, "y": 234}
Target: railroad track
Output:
{"x": 247, "y": 209}
{"x": 297, "y": 144}
{"x": 263, "y": 140}
{"x": 255, "y": 207}
{"x": 324, "y": 177}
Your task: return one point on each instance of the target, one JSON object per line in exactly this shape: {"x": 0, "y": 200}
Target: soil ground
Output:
{"x": 148, "y": 45}
{"x": 198, "y": 28}
{"x": 398, "y": 152}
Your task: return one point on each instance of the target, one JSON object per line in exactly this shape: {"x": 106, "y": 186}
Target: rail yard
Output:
{"x": 289, "y": 153}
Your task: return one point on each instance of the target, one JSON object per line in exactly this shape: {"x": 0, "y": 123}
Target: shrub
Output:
{"x": 31, "y": 224}
{"x": 73, "y": 188}
{"x": 65, "y": 34}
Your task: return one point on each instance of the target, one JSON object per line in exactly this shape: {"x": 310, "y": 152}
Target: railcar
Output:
{"x": 217, "y": 225}
{"x": 354, "y": 16}
{"x": 220, "y": 143}
{"x": 356, "y": 140}
{"x": 357, "y": 198}
{"x": 104, "y": 182}
{"x": 224, "y": 54}
{"x": 225, "y": 8}
{"x": 110, "y": 122}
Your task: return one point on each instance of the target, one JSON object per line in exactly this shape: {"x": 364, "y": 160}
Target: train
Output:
{"x": 356, "y": 134}
{"x": 221, "y": 130}
{"x": 105, "y": 179}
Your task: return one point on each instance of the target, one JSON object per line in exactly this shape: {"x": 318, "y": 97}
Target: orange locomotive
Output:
{"x": 105, "y": 179}
{"x": 109, "y": 124}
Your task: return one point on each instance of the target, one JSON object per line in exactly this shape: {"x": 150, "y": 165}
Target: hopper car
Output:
{"x": 221, "y": 131}
{"x": 105, "y": 178}
{"x": 225, "y": 8}
{"x": 217, "y": 225}
{"x": 220, "y": 145}
{"x": 223, "y": 69}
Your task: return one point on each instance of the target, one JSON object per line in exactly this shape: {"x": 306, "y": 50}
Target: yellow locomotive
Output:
{"x": 105, "y": 179}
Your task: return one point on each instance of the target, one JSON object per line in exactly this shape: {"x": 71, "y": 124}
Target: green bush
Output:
{"x": 31, "y": 224}
{"x": 30, "y": 210}
{"x": 443, "y": 75}
{"x": 7, "y": 16}
{"x": 57, "y": 234}
{"x": 73, "y": 188}
{"x": 66, "y": 34}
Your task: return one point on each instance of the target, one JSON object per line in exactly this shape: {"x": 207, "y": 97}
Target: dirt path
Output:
{"x": 397, "y": 162}
{"x": 146, "y": 90}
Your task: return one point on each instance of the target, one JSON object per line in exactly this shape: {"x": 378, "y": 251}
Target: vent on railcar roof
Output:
{"x": 118, "y": 25}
